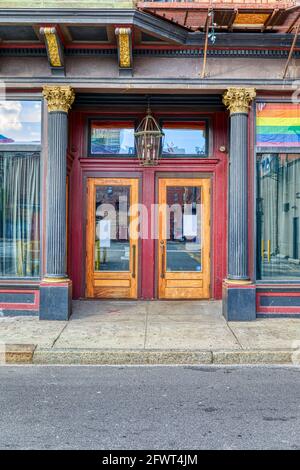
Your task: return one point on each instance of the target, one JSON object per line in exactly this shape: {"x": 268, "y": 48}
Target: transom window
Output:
{"x": 115, "y": 138}
{"x": 187, "y": 138}
{"x": 111, "y": 138}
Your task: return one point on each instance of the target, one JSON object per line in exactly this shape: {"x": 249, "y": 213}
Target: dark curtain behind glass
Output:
{"x": 19, "y": 214}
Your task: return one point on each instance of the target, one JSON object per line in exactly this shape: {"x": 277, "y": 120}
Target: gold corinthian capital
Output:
{"x": 238, "y": 100}
{"x": 59, "y": 98}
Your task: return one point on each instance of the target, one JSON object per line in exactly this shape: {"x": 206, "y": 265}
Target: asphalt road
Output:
{"x": 149, "y": 407}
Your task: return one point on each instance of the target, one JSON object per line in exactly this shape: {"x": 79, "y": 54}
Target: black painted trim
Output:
{"x": 222, "y": 53}
{"x": 20, "y": 287}
{"x": 278, "y": 315}
{"x": 107, "y": 99}
{"x": 23, "y": 52}
{"x": 20, "y": 313}
{"x": 174, "y": 53}
{"x": 17, "y": 298}
{"x": 283, "y": 290}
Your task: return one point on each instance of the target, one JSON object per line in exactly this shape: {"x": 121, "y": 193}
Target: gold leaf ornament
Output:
{"x": 238, "y": 100}
{"x": 59, "y": 98}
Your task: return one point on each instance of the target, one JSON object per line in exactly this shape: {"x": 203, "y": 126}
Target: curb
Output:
{"x": 159, "y": 357}
{"x": 17, "y": 354}
{"x": 116, "y": 357}
{"x": 31, "y": 354}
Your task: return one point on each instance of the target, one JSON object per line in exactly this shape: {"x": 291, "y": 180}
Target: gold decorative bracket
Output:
{"x": 59, "y": 98}
{"x": 238, "y": 100}
{"x": 54, "y": 50}
{"x": 124, "y": 39}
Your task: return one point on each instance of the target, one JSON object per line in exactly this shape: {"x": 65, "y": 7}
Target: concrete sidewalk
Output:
{"x": 142, "y": 332}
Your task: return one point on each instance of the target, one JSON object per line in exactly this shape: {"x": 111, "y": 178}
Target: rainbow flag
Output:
{"x": 278, "y": 125}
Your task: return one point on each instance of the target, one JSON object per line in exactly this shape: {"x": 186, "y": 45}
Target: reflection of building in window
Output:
{"x": 172, "y": 148}
{"x": 111, "y": 140}
{"x": 114, "y": 200}
{"x": 106, "y": 141}
{"x": 182, "y": 202}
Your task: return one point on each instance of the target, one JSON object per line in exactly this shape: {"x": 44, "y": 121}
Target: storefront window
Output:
{"x": 184, "y": 138}
{"x": 278, "y": 213}
{"x": 20, "y": 122}
{"x": 19, "y": 214}
{"x": 111, "y": 138}
{"x": 20, "y": 136}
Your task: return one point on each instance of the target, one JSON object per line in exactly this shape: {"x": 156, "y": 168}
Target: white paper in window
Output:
{"x": 190, "y": 225}
{"x": 103, "y": 233}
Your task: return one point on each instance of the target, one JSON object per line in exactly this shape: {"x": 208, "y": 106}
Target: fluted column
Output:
{"x": 59, "y": 99}
{"x": 238, "y": 101}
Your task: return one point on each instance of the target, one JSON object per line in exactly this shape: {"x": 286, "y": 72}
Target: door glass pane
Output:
{"x": 183, "y": 228}
{"x": 112, "y": 247}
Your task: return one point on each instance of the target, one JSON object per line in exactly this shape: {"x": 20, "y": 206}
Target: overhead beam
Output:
{"x": 291, "y": 51}
{"x": 232, "y": 19}
{"x": 270, "y": 20}
{"x": 207, "y": 24}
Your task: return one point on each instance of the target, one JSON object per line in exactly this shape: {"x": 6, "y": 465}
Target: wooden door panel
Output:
{"x": 183, "y": 293}
{"x": 184, "y": 283}
{"x": 177, "y": 281}
{"x": 111, "y": 283}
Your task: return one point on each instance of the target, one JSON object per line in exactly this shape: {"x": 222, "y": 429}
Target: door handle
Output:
{"x": 162, "y": 247}
{"x": 133, "y": 260}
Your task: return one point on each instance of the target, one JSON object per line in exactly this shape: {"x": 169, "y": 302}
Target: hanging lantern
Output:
{"x": 148, "y": 140}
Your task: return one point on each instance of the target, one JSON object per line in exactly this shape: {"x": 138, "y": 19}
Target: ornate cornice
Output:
{"x": 238, "y": 100}
{"x": 19, "y": 51}
{"x": 59, "y": 98}
{"x": 124, "y": 43}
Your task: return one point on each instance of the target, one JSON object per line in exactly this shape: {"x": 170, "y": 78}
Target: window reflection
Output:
{"x": 112, "y": 138}
{"x": 183, "y": 231}
{"x": 112, "y": 245}
{"x": 278, "y": 212}
{"x": 19, "y": 214}
{"x": 20, "y": 122}
{"x": 187, "y": 138}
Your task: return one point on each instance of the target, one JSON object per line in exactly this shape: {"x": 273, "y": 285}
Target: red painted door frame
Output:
{"x": 82, "y": 167}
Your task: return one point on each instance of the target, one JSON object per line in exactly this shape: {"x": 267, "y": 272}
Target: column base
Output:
{"x": 239, "y": 301}
{"x": 55, "y": 300}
